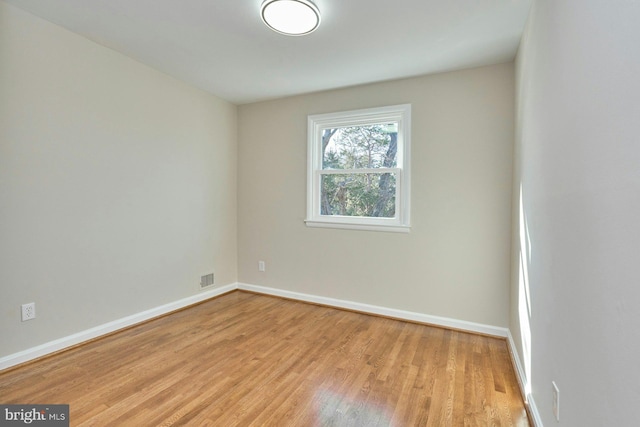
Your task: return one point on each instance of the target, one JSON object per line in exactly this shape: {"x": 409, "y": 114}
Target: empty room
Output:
{"x": 319, "y": 212}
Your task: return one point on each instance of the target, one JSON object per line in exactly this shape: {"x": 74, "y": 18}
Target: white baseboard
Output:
{"x": 533, "y": 410}
{"x": 82, "y": 336}
{"x": 383, "y": 311}
{"x": 77, "y": 338}
{"x": 523, "y": 381}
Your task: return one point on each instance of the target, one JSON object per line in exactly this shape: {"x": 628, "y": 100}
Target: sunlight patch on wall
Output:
{"x": 524, "y": 296}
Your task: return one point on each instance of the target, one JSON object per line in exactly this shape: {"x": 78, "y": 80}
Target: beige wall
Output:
{"x": 118, "y": 190}
{"x": 575, "y": 313}
{"x": 117, "y": 184}
{"x": 455, "y": 261}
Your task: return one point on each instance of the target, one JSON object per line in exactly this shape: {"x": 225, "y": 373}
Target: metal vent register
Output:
{"x": 206, "y": 280}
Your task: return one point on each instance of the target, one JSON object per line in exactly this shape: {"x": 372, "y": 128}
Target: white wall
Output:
{"x": 117, "y": 184}
{"x": 455, "y": 261}
{"x": 578, "y": 162}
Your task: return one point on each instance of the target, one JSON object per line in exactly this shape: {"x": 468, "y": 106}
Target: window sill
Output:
{"x": 364, "y": 227}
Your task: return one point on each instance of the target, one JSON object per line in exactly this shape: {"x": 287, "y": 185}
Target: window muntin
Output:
{"x": 358, "y": 169}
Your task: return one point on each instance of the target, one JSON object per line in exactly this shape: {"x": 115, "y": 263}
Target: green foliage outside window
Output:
{"x": 359, "y": 191}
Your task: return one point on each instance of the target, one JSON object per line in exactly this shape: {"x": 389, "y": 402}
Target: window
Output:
{"x": 358, "y": 169}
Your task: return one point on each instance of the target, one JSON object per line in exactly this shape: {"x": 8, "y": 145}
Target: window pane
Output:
{"x": 365, "y": 194}
{"x": 360, "y": 147}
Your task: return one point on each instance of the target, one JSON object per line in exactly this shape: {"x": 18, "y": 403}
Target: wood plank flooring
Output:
{"x": 244, "y": 359}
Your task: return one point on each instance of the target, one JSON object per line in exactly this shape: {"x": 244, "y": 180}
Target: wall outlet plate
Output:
{"x": 556, "y": 400}
{"x": 262, "y": 266}
{"x": 28, "y": 311}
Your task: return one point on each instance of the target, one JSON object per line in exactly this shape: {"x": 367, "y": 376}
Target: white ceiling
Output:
{"x": 223, "y": 47}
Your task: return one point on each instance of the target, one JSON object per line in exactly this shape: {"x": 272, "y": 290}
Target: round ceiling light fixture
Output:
{"x": 290, "y": 17}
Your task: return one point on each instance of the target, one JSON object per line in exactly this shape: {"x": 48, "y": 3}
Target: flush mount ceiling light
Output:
{"x": 290, "y": 17}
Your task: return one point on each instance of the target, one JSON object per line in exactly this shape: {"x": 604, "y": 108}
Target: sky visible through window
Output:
{"x": 360, "y": 147}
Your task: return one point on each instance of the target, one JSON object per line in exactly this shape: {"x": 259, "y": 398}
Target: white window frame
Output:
{"x": 315, "y": 126}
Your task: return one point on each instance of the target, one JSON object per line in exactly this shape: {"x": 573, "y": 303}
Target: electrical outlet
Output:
{"x": 262, "y": 266}
{"x": 556, "y": 401}
{"x": 28, "y": 311}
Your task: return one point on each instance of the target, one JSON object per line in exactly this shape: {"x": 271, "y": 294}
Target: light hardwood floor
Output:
{"x": 244, "y": 359}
